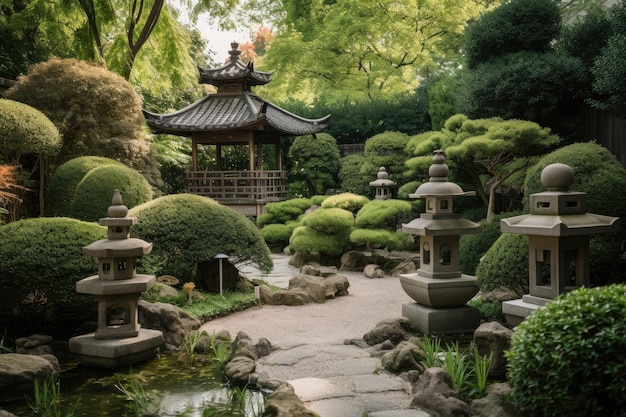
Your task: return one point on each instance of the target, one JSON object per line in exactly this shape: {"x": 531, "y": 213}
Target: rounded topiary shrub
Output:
{"x": 568, "y": 359}
{"x": 383, "y": 214}
{"x": 505, "y": 265}
{"x": 187, "y": 229}
{"x": 284, "y": 211}
{"x": 325, "y": 231}
{"x": 93, "y": 194}
{"x": 65, "y": 179}
{"x": 346, "y": 201}
{"x": 473, "y": 247}
{"x": 371, "y": 238}
{"x": 40, "y": 262}
{"x": 599, "y": 174}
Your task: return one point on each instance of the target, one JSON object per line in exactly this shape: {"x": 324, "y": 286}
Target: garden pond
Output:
{"x": 171, "y": 385}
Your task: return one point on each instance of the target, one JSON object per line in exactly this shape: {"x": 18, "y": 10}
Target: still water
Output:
{"x": 175, "y": 386}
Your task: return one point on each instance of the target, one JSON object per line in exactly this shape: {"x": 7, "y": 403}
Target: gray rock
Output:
{"x": 336, "y": 286}
{"x": 293, "y": 297}
{"x": 405, "y": 357}
{"x": 373, "y": 271}
{"x": 494, "y": 404}
{"x": 173, "y": 321}
{"x": 494, "y": 338}
{"x": 263, "y": 348}
{"x": 165, "y": 290}
{"x": 395, "y": 330}
{"x": 4, "y": 413}
{"x": 312, "y": 285}
{"x": 266, "y": 294}
{"x": 285, "y": 403}
{"x": 435, "y": 392}
{"x": 352, "y": 261}
{"x": 404, "y": 267}
{"x": 238, "y": 370}
{"x": 18, "y": 373}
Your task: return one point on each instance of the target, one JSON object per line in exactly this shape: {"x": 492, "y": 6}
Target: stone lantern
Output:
{"x": 118, "y": 339}
{"x": 383, "y": 185}
{"x": 558, "y": 228}
{"x": 439, "y": 288}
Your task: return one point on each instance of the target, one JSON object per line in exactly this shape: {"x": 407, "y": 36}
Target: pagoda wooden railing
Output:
{"x": 238, "y": 186}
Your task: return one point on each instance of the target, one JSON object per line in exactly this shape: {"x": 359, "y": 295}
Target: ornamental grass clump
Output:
{"x": 569, "y": 358}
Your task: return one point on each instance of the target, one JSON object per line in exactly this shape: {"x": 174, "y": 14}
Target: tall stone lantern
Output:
{"x": 439, "y": 288}
{"x": 558, "y": 228}
{"x": 119, "y": 340}
{"x": 383, "y": 185}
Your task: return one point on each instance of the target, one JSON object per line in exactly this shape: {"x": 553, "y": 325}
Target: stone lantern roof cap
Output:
{"x": 557, "y": 177}
{"x": 382, "y": 179}
{"x": 438, "y": 184}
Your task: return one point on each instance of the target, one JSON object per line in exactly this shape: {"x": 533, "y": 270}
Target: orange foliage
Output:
{"x": 8, "y": 182}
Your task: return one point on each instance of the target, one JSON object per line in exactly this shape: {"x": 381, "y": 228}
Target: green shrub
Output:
{"x": 489, "y": 310}
{"x": 387, "y": 149}
{"x": 569, "y": 358}
{"x": 40, "y": 262}
{"x": 381, "y": 238}
{"x": 306, "y": 240}
{"x": 505, "y": 265}
{"x": 283, "y": 211}
{"x": 474, "y": 246}
{"x": 65, "y": 179}
{"x": 93, "y": 194}
{"x": 186, "y": 229}
{"x": 350, "y": 177}
{"x": 383, "y": 214}
{"x": 329, "y": 220}
{"x": 599, "y": 174}
{"x": 346, "y": 201}
{"x": 317, "y": 200}
{"x": 275, "y": 233}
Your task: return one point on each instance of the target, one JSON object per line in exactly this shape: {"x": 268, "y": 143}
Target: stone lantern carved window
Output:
{"x": 106, "y": 267}
{"x": 121, "y": 266}
{"x": 444, "y": 205}
{"x": 426, "y": 253}
{"x": 544, "y": 269}
{"x": 118, "y": 315}
{"x": 445, "y": 254}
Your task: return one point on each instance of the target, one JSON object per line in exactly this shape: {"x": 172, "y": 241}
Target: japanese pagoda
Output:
{"x": 234, "y": 117}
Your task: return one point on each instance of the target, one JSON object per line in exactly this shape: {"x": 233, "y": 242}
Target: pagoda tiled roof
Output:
{"x": 235, "y": 69}
{"x": 217, "y": 112}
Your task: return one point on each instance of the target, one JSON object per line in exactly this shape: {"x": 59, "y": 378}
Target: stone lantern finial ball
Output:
{"x": 117, "y": 209}
{"x": 557, "y": 177}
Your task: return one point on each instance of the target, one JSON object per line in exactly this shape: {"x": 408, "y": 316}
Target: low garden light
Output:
{"x": 220, "y": 257}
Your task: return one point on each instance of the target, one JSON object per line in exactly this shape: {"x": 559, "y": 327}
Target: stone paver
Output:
{"x": 331, "y": 378}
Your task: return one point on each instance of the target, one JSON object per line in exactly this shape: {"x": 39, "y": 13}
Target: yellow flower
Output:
{"x": 188, "y": 287}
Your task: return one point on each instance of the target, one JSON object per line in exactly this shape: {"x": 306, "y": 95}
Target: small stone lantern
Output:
{"x": 558, "y": 228}
{"x": 118, "y": 340}
{"x": 383, "y": 185}
{"x": 439, "y": 288}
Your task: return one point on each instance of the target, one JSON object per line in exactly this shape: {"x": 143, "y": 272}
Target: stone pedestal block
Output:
{"x": 434, "y": 321}
{"x": 115, "y": 353}
{"x": 516, "y": 311}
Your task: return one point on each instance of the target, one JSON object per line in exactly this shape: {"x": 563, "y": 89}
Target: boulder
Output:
{"x": 4, "y": 413}
{"x": 164, "y": 290}
{"x": 285, "y": 403}
{"x": 405, "y": 357}
{"x": 239, "y": 369}
{"x": 173, "y": 321}
{"x": 263, "y": 348}
{"x": 435, "y": 392}
{"x": 336, "y": 286}
{"x": 493, "y": 338}
{"x": 205, "y": 340}
{"x": 395, "y": 330}
{"x": 404, "y": 267}
{"x": 312, "y": 285}
{"x": 168, "y": 280}
{"x": 373, "y": 271}
{"x": 36, "y": 344}
{"x": 352, "y": 261}
{"x": 18, "y": 373}
{"x": 265, "y": 294}
{"x": 243, "y": 346}
{"x": 293, "y": 297}
{"x": 494, "y": 404}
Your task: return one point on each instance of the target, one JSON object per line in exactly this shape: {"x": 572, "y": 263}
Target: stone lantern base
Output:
{"x": 116, "y": 353}
{"x": 516, "y": 311}
{"x": 436, "y": 321}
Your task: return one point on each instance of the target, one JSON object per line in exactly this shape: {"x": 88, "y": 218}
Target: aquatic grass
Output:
{"x": 191, "y": 342}
{"x": 220, "y": 352}
{"x": 482, "y": 365}
{"x": 47, "y": 401}
{"x": 458, "y": 365}
{"x": 431, "y": 347}
{"x": 142, "y": 402}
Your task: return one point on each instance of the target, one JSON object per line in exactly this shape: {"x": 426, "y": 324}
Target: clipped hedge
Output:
{"x": 474, "y": 246}
{"x": 64, "y": 180}
{"x": 598, "y": 173}
{"x": 505, "y": 265}
{"x": 186, "y": 229}
{"x": 568, "y": 359}
{"x": 381, "y": 238}
{"x": 93, "y": 194}
{"x": 325, "y": 231}
{"x": 383, "y": 214}
{"x": 276, "y": 233}
{"x": 329, "y": 220}
{"x": 40, "y": 262}
{"x": 283, "y": 211}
